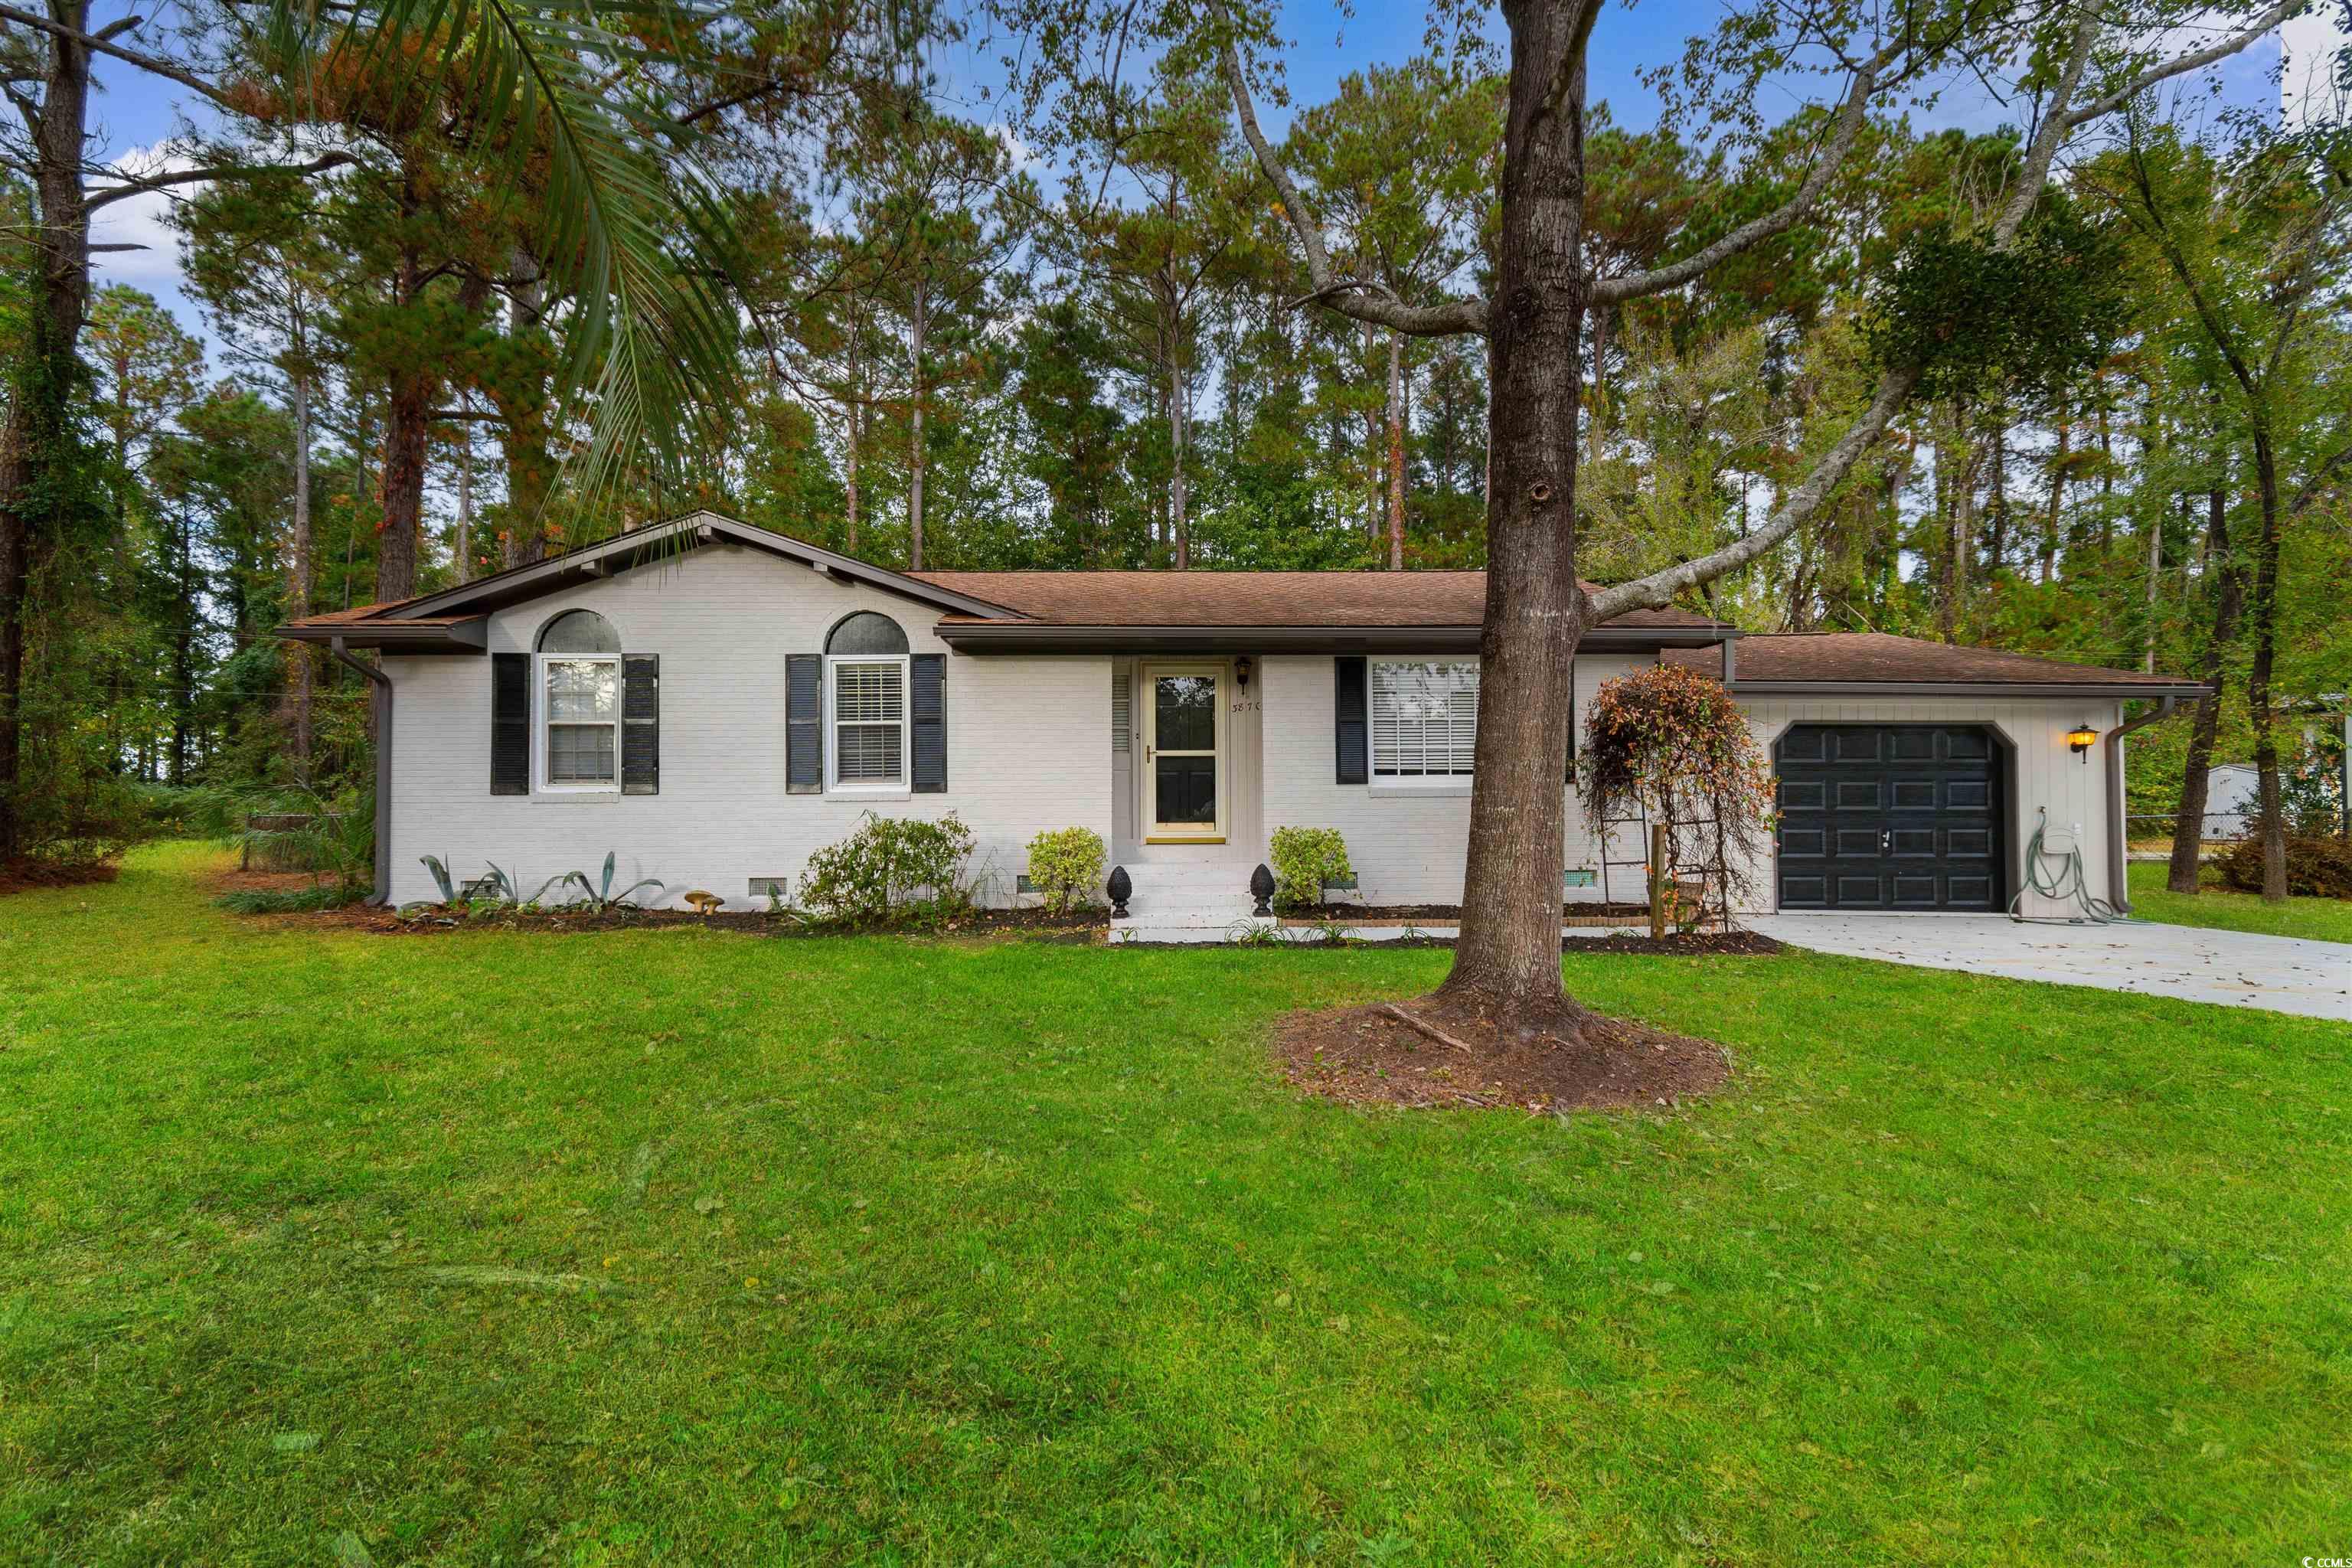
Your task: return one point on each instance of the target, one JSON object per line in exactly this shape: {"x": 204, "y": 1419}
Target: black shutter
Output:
{"x": 928, "y": 706}
{"x": 641, "y": 724}
{"x": 1350, "y": 731}
{"x": 804, "y": 723}
{"x": 510, "y": 723}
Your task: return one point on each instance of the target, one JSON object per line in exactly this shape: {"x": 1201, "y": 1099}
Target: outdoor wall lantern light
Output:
{"x": 2080, "y": 740}
{"x": 1242, "y": 670}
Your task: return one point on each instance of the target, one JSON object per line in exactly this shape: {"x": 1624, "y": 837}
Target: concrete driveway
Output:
{"x": 2233, "y": 969}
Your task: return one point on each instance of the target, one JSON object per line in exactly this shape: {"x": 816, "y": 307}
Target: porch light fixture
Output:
{"x": 2080, "y": 740}
{"x": 1242, "y": 670}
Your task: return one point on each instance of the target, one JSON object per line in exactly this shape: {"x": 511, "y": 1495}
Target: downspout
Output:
{"x": 382, "y": 704}
{"x": 2118, "y": 884}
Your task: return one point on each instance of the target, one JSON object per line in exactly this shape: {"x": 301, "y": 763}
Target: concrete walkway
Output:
{"x": 2236, "y": 969}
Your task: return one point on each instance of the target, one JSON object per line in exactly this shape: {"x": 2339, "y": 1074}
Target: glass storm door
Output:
{"x": 1179, "y": 752}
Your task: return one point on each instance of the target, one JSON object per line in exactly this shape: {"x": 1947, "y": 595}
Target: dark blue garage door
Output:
{"x": 1889, "y": 816}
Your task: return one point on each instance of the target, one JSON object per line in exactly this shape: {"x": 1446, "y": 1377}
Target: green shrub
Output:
{"x": 891, "y": 870}
{"x": 1304, "y": 860}
{"x": 2318, "y": 866}
{"x": 1066, "y": 866}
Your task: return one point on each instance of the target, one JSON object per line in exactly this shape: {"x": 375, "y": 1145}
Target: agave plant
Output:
{"x": 440, "y": 877}
{"x": 598, "y": 895}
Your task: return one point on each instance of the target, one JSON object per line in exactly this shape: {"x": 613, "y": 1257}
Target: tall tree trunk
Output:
{"x": 298, "y": 581}
{"x": 521, "y": 397}
{"x": 37, "y": 417}
{"x": 2148, "y": 430}
{"x": 920, "y": 319}
{"x": 1179, "y": 509}
{"x": 857, "y": 401}
{"x": 1964, "y": 528}
{"x": 183, "y": 642}
{"x": 1376, "y": 513}
{"x": 466, "y": 499}
{"x": 408, "y": 413}
{"x": 2106, "y": 471}
{"x": 2057, "y": 498}
{"x": 2263, "y": 613}
{"x": 2188, "y": 821}
{"x": 1507, "y": 958}
{"x": 1996, "y": 496}
{"x": 410, "y": 392}
{"x": 1396, "y": 450}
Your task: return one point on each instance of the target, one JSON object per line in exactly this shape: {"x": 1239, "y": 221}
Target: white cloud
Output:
{"x": 2312, "y": 44}
{"x": 139, "y": 220}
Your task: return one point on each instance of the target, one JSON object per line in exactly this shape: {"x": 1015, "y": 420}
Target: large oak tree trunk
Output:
{"x": 1508, "y": 960}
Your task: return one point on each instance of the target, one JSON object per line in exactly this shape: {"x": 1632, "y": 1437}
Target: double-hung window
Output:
{"x": 580, "y": 703}
{"x": 1425, "y": 720}
{"x": 865, "y": 699}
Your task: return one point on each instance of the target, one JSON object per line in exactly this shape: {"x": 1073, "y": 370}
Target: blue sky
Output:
{"x": 135, "y": 114}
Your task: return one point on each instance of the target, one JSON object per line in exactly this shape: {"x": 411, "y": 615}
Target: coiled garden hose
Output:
{"x": 2065, "y": 882}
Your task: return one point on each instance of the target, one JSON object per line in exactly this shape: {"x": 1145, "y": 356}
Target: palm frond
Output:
{"x": 632, "y": 232}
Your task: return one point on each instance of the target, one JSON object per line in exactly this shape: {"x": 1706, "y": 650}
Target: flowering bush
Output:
{"x": 1670, "y": 742}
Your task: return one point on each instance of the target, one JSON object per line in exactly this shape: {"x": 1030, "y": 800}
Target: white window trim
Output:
{"x": 900, "y": 788}
{"x": 1380, "y": 784}
{"x": 542, "y": 754}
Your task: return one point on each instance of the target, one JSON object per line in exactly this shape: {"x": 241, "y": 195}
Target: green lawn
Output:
{"x": 2322, "y": 919}
{"x": 680, "y": 1246}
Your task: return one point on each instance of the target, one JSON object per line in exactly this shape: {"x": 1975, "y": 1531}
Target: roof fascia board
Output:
{"x": 469, "y": 635}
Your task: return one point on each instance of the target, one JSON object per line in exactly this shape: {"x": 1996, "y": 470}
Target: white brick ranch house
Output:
{"x": 712, "y": 702}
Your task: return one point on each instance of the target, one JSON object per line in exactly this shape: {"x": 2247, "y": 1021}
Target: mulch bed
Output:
{"x": 1374, "y": 1056}
{"x": 1042, "y": 924}
{"x": 28, "y": 871}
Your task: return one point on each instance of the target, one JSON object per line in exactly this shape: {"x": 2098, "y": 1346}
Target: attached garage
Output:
{"x": 1890, "y": 817}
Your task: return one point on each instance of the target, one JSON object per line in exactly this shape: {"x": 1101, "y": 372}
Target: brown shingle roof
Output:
{"x": 1249, "y": 598}
{"x": 1863, "y": 657}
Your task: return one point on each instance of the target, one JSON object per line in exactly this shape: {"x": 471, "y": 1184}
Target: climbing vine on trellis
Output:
{"x": 1670, "y": 743}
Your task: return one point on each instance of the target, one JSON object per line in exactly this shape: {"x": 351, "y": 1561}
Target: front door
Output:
{"x": 1182, "y": 747}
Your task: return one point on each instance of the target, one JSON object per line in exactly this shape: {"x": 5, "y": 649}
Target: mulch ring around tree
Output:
{"x": 1428, "y": 1056}
{"x": 30, "y": 871}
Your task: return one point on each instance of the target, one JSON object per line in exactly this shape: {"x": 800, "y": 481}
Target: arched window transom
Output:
{"x": 866, "y": 632}
{"x": 579, "y": 631}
